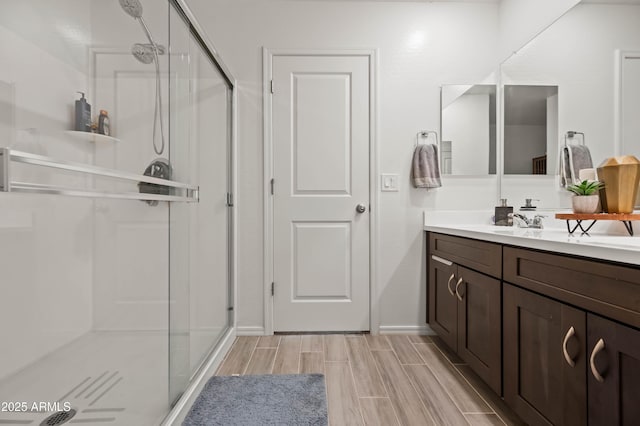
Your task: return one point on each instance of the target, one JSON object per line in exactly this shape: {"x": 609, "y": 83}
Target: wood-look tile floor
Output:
{"x": 377, "y": 380}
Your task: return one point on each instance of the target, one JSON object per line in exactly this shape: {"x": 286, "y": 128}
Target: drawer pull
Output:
{"x": 449, "y": 284}
{"x": 457, "y": 293}
{"x": 441, "y": 260}
{"x": 592, "y": 360}
{"x": 570, "y": 333}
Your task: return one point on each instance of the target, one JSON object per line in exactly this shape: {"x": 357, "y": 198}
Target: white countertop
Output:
{"x": 606, "y": 242}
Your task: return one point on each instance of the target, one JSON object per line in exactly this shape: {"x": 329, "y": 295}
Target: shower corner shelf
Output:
{"x": 91, "y": 137}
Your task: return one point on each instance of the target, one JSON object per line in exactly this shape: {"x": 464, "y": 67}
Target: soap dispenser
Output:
{"x": 83, "y": 114}
{"x": 504, "y": 214}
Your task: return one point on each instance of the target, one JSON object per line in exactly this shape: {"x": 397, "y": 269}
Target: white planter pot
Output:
{"x": 586, "y": 204}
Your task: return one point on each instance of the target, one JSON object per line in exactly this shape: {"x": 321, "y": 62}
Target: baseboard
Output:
{"x": 406, "y": 329}
{"x": 250, "y": 331}
{"x": 178, "y": 413}
{"x": 384, "y": 329}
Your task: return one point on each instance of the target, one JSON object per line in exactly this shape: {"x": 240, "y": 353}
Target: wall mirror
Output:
{"x": 468, "y": 129}
{"x": 530, "y": 129}
{"x": 592, "y": 55}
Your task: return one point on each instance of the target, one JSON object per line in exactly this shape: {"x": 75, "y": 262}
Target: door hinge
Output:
{"x": 229, "y": 199}
{"x": 272, "y": 87}
{"x": 272, "y": 183}
{"x": 230, "y": 308}
{"x": 273, "y": 288}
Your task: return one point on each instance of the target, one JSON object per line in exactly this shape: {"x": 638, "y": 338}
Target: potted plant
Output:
{"x": 586, "y": 198}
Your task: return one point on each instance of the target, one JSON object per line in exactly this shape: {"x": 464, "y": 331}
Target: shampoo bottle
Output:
{"x": 83, "y": 114}
{"x": 104, "y": 128}
{"x": 504, "y": 214}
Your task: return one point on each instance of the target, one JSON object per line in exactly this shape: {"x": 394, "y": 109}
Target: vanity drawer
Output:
{"x": 479, "y": 255}
{"x": 600, "y": 287}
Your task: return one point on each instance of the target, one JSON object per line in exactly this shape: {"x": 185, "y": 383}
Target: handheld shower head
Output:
{"x": 132, "y": 7}
{"x": 147, "y": 53}
{"x": 143, "y": 53}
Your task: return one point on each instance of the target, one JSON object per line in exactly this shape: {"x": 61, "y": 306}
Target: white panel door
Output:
{"x": 321, "y": 170}
{"x": 630, "y": 90}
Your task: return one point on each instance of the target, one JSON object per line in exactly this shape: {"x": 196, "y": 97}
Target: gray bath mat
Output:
{"x": 298, "y": 399}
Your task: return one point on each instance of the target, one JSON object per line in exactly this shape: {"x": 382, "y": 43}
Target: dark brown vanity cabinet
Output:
{"x": 614, "y": 373}
{"x": 544, "y": 359}
{"x": 564, "y": 364}
{"x": 464, "y": 304}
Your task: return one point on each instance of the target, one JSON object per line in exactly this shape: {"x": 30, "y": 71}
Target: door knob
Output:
{"x": 360, "y": 208}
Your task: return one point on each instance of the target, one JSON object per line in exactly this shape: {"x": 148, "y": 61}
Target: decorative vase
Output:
{"x": 585, "y": 204}
{"x": 620, "y": 176}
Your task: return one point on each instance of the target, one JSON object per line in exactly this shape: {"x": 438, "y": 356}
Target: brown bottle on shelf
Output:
{"x": 104, "y": 126}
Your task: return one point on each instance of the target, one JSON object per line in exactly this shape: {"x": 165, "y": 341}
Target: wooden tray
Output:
{"x": 598, "y": 216}
{"x": 625, "y": 218}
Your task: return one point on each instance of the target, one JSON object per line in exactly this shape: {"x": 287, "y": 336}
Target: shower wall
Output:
{"x": 131, "y": 246}
{"x": 45, "y": 246}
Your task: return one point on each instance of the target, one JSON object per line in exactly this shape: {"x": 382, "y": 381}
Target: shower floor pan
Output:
{"x": 118, "y": 378}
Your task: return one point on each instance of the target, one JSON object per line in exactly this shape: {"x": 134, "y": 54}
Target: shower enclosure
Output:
{"x": 116, "y": 250}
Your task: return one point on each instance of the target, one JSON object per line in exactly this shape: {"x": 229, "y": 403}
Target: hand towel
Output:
{"x": 425, "y": 170}
{"x": 573, "y": 158}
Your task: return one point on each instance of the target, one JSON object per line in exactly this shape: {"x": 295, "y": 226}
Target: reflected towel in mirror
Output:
{"x": 425, "y": 170}
{"x": 573, "y": 158}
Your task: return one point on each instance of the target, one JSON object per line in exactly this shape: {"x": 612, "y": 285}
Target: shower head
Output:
{"x": 143, "y": 53}
{"x": 132, "y": 7}
{"x": 146, "y": 52}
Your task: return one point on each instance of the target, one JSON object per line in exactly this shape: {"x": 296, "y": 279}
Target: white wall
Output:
{"x": 577, "y": 53}
{"x": 45, "y": 241}
{"x": 521, "y": 20}
{"x": 422, "y": 46}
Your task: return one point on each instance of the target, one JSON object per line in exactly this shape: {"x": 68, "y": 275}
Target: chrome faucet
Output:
{"x": 522, "y": 221}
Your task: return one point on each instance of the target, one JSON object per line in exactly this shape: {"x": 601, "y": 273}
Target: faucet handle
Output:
{"x": 537, "y": 220}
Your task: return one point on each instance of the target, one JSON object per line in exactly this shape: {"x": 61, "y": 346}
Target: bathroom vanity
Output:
{"x": 549, "y": 321}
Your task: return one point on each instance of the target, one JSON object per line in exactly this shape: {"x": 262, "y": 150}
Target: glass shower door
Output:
{"x": 199, "y": 232}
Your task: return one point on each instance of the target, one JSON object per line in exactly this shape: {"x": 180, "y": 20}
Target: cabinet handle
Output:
{"x": 457, "y": 293}
{"x": 568, "y": 336}
{"x": 441, "y": 260}
{"x": 592, "y": 360}
{"x": 449, "y": 284}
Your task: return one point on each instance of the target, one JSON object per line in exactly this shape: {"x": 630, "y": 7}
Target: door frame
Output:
{"x": 268, "y": 258}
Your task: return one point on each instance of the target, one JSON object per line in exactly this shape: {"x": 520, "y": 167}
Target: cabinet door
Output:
{"x": 442, "y": 301}
{"x": 616, "y": 399}
{"x": 479, "y": 325}
{"x": 539, "y": 382}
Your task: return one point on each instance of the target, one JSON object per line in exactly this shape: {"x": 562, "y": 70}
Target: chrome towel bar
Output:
{"x": 7, "y": 156}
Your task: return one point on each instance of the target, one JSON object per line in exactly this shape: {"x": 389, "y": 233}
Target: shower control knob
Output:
{"x": 360, "y": 208}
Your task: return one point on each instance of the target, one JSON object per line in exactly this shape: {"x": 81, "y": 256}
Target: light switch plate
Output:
{"x": 389, "y": 182}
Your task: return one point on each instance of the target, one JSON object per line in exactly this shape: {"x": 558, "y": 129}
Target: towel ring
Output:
{"x": 425, "y": 134}
{"x": 571, "y": 134}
